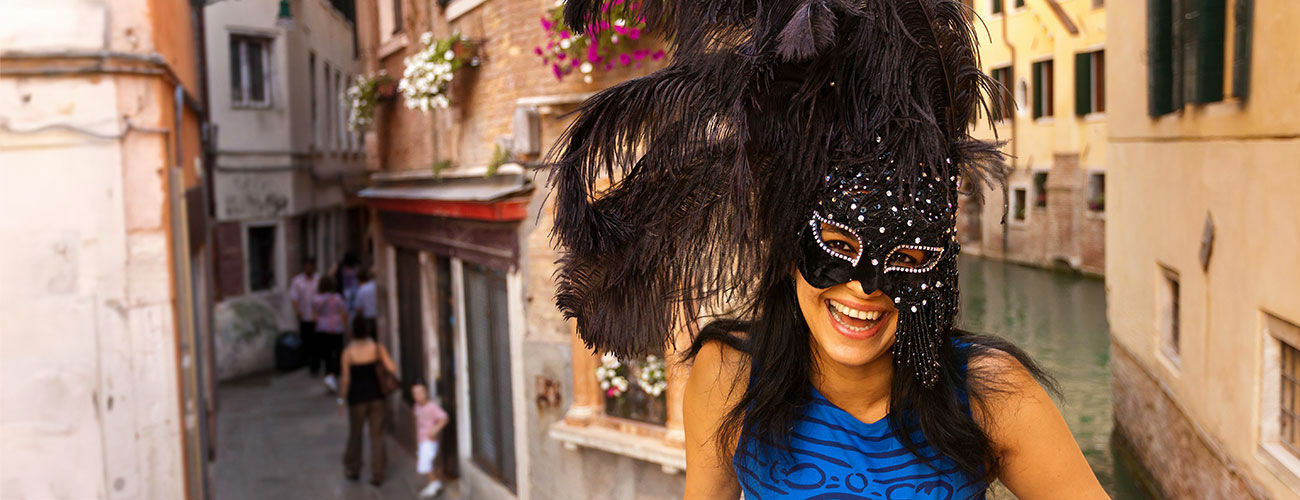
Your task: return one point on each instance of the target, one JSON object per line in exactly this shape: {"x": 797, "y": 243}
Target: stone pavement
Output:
{"x": 281, "y": 437}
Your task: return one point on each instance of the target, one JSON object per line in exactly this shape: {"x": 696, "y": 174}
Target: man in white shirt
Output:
{"x": 365, "y": 304}
{"x": 301, "y": 292}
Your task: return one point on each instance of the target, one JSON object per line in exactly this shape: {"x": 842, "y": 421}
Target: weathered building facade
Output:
{"x": 1201, "y": 268}
{"x": 287, "y": 166}
{"x": 462, "y": 244}
{"x": 1049, "y": 56}
{"x": 105, "y": 252}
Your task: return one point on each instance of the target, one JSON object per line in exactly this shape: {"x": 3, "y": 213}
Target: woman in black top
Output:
{"x": 365, "y": 401}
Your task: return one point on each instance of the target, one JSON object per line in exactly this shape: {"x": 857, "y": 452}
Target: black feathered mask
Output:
{"x": 772, "y": 120}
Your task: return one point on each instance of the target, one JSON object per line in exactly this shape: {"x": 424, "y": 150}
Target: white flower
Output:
{"x": 613, "y": 38}
{"x": 586, "y": 78}
{"x": 426, "y": 38}
{"x": 585, "y": 67}
{"x": 620, "y": 22}
{"x": 451, "y": 54}
{"x": 565, "y": 44}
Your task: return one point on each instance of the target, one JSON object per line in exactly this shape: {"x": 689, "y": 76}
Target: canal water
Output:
{"x": 1060, "y": 319}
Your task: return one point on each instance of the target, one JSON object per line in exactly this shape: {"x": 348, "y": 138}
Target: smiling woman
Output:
{"x": 839, "y": 131}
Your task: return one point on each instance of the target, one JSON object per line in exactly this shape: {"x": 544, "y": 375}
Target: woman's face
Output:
{"x": 849, "y": 325}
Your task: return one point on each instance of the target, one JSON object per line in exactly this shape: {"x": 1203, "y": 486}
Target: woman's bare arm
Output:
{"x": 1040, "y": 458}
{"x": 717, "y": 381}
{"x": 387, "y": 361}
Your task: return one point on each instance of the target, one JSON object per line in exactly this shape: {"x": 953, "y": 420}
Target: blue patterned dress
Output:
{"x": 836, "y": 456}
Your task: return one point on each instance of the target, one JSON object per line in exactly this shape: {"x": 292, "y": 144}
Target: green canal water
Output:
{"x": 1060, "y": 319}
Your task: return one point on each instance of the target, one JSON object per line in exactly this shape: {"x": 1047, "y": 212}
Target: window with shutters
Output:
{"x": 1005, "y": 108}
{"x": 996, "y": 6}
{"x": 492, "y": 438}
{"x": 1185, "y": 53}
{"x": 641, "y": 397}
{"x": 250, "y": 57}
{"x": 1090, "y": 82}
{"x": 1243, "y": 15}
{"x": 1043, "y": 89}
{"x": 1020, "y": 4}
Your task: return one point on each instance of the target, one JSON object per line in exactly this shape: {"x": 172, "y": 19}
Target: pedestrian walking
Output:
{"x": 302, "y": 292}
{"x": 347, "y": 275}
{"x": 331, "y": 327}
{"x": 362, "y": 360}
{"x": 364, "y": 305}
{"x": 430, "y": 419}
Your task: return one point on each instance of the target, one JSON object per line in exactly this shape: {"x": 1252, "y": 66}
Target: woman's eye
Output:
{"x": 841, "y": 246}
{"x": 910, "y": 258}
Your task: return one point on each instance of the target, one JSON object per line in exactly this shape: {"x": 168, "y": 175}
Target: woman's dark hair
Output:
{"x": 361, "y": 328}
{"x": 777, "y": 343}
{"x": 327, "y": 284}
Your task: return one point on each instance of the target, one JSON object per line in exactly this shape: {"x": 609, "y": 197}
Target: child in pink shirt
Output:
{"x": 429, "y": 421}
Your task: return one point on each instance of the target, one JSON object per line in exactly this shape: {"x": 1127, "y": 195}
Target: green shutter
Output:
{"x": 1083, "y": 83}
{"x": 1160, "y": 52}
{"x": 1038, "y": 90}
{"x": 1242, "y": 17}
{"x": 997, "y": 6}
{"x": 1210, "y": 26}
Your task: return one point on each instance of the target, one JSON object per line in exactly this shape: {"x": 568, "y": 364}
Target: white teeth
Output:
{"x": 854, "y": 313}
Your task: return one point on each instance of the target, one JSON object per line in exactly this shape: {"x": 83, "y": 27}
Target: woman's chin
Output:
{"x": 854, "y": 352}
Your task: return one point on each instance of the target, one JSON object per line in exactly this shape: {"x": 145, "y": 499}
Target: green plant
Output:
{"x": 439, "y": 166}
{"x": 429, "y": 72}
{"x": 500, "y": 156}
{"x": 364, "y": 94}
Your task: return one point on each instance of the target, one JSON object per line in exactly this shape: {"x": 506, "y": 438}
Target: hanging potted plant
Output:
{"x": 607, "y": 45}
{"x": 426, "y": 81}
{"x": 365, "y": 93}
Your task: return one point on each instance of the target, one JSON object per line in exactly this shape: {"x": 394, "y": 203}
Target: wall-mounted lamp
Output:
{"x": 285, "y": 18}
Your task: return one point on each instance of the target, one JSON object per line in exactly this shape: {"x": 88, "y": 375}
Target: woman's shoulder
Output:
{"x": 719, "y": 365}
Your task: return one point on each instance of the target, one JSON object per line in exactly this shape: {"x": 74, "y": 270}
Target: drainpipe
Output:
{"x": 1015, "y": 142}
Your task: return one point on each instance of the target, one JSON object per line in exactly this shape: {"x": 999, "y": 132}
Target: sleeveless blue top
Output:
{"x": 838, "y": 457}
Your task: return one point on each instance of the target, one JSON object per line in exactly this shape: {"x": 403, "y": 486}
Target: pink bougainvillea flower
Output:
{"x": 634, "y": 33}
{"x": 564, "y": 35}
{"x": 593, "y": 52}
{"x": 609, "y": 66}
{"x": 640, "y": 54}
{"x": 550, "y": 45}
{"x": 620, "y": 30}
{"x": 573, "y": 62}
{"x": 537, "y": 50}
{"x": 546, "y": 24}
{"x": 659, "y": 54}
{"x": 624, "y": 59}
{"x": 559, "y": 74}
{"x": 560, "y": 55}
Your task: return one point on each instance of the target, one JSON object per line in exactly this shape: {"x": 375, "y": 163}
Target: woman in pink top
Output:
{"x": 331, "y": 326}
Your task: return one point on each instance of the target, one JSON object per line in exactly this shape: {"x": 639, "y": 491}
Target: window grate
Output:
{"x": 1289, "y": 402}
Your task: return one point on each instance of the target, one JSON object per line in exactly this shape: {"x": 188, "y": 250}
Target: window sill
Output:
{"x": 391, "y": 45}
{"x": 1095, "y": 214}
{"x": 1095, "y": 117}
{"x": 1044, "y": 120}
{"x": 647, "y": 443}
{"x": 1281, "y": 463}
{"x": 251, "y": 106}
{"x": 461, "y": 7}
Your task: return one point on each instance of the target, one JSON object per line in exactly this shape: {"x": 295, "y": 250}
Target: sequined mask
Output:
{"x": 903, "y": 244}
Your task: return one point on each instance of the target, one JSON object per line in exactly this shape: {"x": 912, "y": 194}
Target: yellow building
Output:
{"x": 1049, "y": 56}
{"x": 1203, "y": 278}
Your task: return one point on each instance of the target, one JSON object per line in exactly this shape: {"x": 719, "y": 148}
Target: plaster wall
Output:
{"x": 89, "y": 378}
{"x": 1236, "y": 163}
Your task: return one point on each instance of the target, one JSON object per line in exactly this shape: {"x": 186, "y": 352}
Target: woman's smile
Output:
{"x": 855, "y": 320}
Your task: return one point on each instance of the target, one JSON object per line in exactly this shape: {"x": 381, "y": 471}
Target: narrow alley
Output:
{"x": 281, "y": 438}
